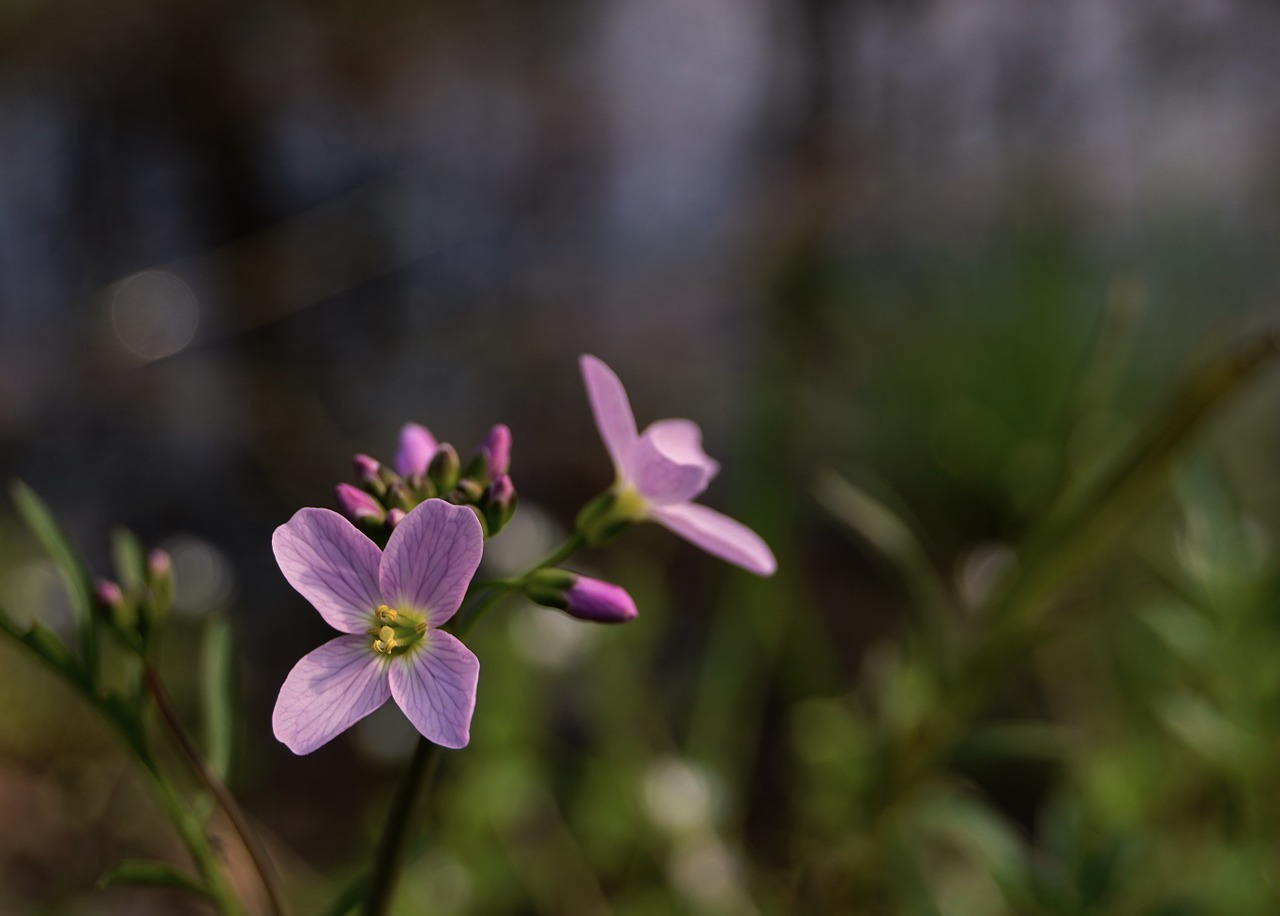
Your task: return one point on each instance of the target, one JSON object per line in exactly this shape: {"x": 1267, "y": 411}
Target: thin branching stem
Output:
{"x": 207, "y": 778}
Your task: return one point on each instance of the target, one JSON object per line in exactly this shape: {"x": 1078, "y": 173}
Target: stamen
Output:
{"x": 387, "y": 614}
{"x": 386, "y": 641}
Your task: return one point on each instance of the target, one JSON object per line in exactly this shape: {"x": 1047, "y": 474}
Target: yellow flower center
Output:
{"x": 395, "y": 632}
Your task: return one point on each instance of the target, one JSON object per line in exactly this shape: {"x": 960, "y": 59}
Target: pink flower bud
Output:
{"x": 394, "y": 517}
{"x": 108, "y": 593}
{"x": 417, "y": 448}
{"x": 497, "y": 450}
{"x": 159, "y": 566}
{"x": 358, "y": 505}
{"x": 601, "y": 602}
{"x": 499, "y": 503}
{"x": 366, "y": 469}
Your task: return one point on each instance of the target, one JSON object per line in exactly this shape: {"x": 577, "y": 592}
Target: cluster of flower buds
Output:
{"x": 426, "y": 469}
{"x": 136, "y": 604}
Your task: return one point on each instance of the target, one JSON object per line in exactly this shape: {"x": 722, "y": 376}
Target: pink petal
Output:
{"x": 436, "y": 687}
{"x": 332, "y": 565}
{"x": 430, "y": 559}
{"x": 328, "y": 691}
{"x": 668, "y": 464}
{"x": 612, "y": 411}
{"x": 598, "y": 601}
{"x": 417, "y": 448}
{"x": 718, "y": 534}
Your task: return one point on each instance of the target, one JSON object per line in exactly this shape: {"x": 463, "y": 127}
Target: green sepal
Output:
{"x": 49, "y": 533}
{"x": 548, "y": 586}
{"x": 145, "y": 873}
{"x": 444, "y": 469}
{"x": 399, "y": 496}
{"x": 497, "y": 513}
{"x": 477, "y": 468}
{"x": 608, "y": 515}
{"x": 467, "y": 492}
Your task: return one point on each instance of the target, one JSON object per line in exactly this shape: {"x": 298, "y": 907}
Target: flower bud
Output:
{"x": 394, "y": 516}
{"x": 467, "y": 492}
{"x": 115, "y": 607}
{"x": 417, "y": 448}
{"x": 369, "y": 474}
{"x": 496, "y": 449}
{"x": 399, "y": 496}
{"x": 580, "y": 596}
{"x": 159, "y": 565}
{"x": 108, "y": 593}
{"x": 548, "y": 586}
{"x": 499, "y": 504}
{"x": 160, "y": 579}
{"x": 358, "y": 505}
{"x": 444, "y": 468}
{"x": 602, "y": 602}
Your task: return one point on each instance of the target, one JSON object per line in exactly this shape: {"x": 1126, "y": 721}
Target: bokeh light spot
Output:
{"x": 154, "y": 314}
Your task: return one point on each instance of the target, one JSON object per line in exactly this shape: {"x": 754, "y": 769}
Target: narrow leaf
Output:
{"x": 217, "y": 673}
{"x": 126, "y": 553}
{"x": 1081, "y": 528}
{"x": 888, "y": 534}
{"x": 49, "y": 533}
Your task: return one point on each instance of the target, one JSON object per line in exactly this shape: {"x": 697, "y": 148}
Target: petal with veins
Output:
{"x": 430, "y": 559}
{"x": 668, "y": 464}
{"x": 329, "y": 690}
{"x": 332, "y": 565}
{"x": 435, "y": 686}
{"x": 718, "y": 534}
{"x": 614, "y": 419}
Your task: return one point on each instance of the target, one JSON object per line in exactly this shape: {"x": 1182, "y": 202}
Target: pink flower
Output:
{"x": 664, "y": 469}
{"x": 417, "y": 448}
{"x": 389, "y": 606}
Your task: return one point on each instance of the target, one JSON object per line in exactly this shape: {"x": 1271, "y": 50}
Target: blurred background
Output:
{"x": 911, "y": 265}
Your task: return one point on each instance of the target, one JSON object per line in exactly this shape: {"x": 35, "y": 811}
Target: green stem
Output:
{"x": 204, "y": 773}
{"x": 131, "y": 731}
{"x": 198, "y": 847}
{"x": 560, "y": 554}
{"x": 426, "y": 758}
{"x": 390, "y": 852}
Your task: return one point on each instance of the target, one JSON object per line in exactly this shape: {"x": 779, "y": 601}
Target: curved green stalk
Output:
{"x": 425, "y": 764}
{"x": 204, "y": 773}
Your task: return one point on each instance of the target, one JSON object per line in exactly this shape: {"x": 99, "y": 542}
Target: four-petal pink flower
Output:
{"x": 389, "y": 605}
{"x": 666, "y": 468}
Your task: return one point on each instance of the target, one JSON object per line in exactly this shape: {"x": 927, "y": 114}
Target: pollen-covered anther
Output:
{"x": 386, "y": 641}
{"x": 387, "y": 614}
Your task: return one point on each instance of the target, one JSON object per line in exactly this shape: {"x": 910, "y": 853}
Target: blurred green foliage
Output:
{"x": 1019, "y": 657}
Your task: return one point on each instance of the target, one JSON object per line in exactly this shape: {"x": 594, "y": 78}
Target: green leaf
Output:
{"x": 45, "y": 643}
{"x": 130, "y": 563}
{"x": 1085, "y": 524}
{"x": 152, "y": 874}
{"x": 55, "y": 542}
{"x": 889, "y": 535}
{"x": 217, "y": 674}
